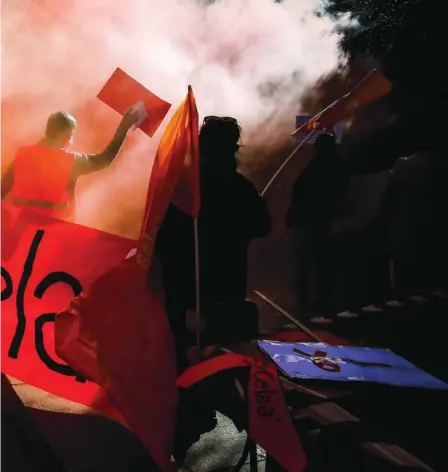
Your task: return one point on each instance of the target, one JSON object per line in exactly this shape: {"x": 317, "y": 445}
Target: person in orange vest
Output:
{"x": 43, "y": 176}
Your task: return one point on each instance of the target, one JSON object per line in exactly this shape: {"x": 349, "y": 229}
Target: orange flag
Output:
{"x": 174, "y": 174}
{"x": 187, "y": 195}
{"x": 371, "y": 88}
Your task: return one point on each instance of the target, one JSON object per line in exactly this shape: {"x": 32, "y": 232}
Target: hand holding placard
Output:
{"x": 139, "y": 113}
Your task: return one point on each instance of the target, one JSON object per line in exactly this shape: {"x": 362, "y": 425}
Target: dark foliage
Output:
{"x": 407, "y": 36}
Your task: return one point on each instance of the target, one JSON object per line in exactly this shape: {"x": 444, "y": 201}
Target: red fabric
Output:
{"x": 42, "y": 173}
{"x": 187, "y": 195}
{"x": 371, "y": 88}
{"x": 210, "y": 367}
{"x": 34, "y": 284}
{"x": 166, "y": 172}
{"x": 270, "y": 424}
{"x": 117, "y": 334}
{"x": 122, "y": 91}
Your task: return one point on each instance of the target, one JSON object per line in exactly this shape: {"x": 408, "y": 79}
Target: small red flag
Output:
{"x": 187, "y": 195}
{"x": 122, "y": 92}
{"x": 167, "y": 171}
{"x": 374, "y": 86}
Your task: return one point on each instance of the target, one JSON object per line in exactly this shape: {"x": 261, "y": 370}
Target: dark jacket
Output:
{"x": 232, "y": 214}
{"x": 317, "y": 192}
{"x": 416, "y": 206}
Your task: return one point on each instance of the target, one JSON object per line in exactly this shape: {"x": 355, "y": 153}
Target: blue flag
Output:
{"x": 320, "y": 361}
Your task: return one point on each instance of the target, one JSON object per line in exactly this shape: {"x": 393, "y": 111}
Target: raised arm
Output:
{"x": 86, "y": 163}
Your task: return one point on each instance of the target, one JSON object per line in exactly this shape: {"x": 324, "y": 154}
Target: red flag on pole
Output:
{"x": 122, "y": 92}
{"x": 374, "y": 86}
{"x": 187, "y": 195}
{"x": 117, "y": 332}
{"x": 175, "y": 174}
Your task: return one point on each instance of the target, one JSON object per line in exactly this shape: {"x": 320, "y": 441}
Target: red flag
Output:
{"x": 117, "y": 335}
{"x": 44, "y": 263}
{"x": 121, "y": 92}
{"x": 168, "y": 170}
{"x": 371, "y": 88}
{"x": 270, "y": 423}
{"x": 117, "y": 332}
{"x": 187, "y": 195}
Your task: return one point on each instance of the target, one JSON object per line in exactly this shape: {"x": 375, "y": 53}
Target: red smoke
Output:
{"x": 57, "y": 54}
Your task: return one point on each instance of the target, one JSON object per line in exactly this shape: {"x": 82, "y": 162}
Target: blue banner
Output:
{"x": 319, "y": 361}
{"x": 301, "y": 120}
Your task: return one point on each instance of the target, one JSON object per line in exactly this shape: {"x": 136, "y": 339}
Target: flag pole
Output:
{"x": 274, "y": 177}
{"x": 198, "y": 288}
{"x": 196, "y": 246}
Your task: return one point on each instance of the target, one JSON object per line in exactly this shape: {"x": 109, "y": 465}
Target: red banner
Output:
{"x": 270, "y": 424}
{"x": 45, "y": 262}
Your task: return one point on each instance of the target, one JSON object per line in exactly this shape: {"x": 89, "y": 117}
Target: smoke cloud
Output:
{"x": 251, "y": 59}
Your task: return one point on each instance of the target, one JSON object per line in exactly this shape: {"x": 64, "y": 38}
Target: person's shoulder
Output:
{"x": 241, "y": 177}
{"x": 243, "y": 181}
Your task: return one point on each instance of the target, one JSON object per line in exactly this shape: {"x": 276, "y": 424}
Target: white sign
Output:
{"x": 140, "y": 110}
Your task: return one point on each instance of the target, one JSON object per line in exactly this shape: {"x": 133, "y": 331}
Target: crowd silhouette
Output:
{"x": 396, "y": 249}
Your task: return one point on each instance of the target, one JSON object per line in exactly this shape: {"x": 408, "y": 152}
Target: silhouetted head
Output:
{"x": 60, "y": 128}
{"x": 325, "y": 144}
{"x": 218, "y": 140}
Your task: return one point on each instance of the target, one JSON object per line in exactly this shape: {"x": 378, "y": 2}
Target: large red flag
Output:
{"x": 371, "y": 88}
{"x": 117, "y": 332}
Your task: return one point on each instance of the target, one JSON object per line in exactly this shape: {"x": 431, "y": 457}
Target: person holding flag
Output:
{"x": 42, "y": 177}
{"x": 231, "y": 214}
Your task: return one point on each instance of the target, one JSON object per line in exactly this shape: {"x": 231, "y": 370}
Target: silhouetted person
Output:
{"x": 42, "y": 177}
{"x": 232, "y": 214}
{"x": 315, "y": 197}
{"x": 416, "y": 205}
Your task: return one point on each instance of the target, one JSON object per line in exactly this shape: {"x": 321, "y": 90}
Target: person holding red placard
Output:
{"x": 42, "y": 177}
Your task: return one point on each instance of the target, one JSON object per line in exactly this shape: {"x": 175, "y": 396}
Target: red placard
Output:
{"x": 121, "y": 92}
